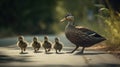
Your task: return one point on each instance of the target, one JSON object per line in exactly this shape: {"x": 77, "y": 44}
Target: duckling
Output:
{"x": 22, "y": 44}
{"x": 47, "y": 45}
{"x": 36, "y": 44}
{"x": 58, "y": 45}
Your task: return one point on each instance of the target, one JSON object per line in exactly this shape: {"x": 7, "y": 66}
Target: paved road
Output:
{"x": 10, "y": 57}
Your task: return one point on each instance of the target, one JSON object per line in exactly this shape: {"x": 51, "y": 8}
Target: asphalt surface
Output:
{"x": 10, "y": 55}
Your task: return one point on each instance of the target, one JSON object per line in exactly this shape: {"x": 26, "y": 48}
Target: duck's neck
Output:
{"x": 69, "y": 24}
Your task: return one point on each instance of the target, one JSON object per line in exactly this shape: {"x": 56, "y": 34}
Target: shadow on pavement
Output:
{"x": 60, "y": 53}
{"x": 49, "y": 53}
{"x": 8, "y": 59}
{"x": 23, "y": 53}
{"x": 91, "y": 53}
{"x": 104, "y": 65}
{"x": 39, "y": 52}
{"x": 62, "y": 65}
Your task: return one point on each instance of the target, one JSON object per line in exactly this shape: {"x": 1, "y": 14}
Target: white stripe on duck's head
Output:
{"x": 68, "y": 17}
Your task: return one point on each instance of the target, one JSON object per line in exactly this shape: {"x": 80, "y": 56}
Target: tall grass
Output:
{"x": 112, "y": 28}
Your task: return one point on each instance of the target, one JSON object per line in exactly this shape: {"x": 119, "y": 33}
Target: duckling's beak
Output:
{"x": 62, "y": 20}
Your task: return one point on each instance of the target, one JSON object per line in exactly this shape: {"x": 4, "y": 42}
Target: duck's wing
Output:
{"x": 82, "y": 36}
{"x": 87, "y": 37}
{"x": 87, "y": 31}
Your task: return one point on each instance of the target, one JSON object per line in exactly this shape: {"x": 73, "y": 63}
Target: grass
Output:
{"x": 112, "y": 30}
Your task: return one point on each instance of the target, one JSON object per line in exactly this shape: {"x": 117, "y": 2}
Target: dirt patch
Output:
{"x": 100, "y": 46}
{"x": 108, "y": 49}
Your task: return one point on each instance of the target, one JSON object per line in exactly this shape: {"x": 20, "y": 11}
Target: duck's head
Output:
{"x": 20, "y": 38}
{"x": 35, "y": 38}
{"x": 46, "y": 38}
{"x": 68, "y": 17}
{"x": 56, "y": 39}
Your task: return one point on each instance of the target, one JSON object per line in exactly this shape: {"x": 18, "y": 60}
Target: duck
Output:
{"x": 47, "y": 45}
{"x": 80, "y": 36}
{"x": 36, "y": 44}
{"x": 58, "y": 45}
{"x": 22, "y": 44}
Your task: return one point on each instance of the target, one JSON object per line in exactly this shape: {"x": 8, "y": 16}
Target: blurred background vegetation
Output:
{"x": 36, "y": 17}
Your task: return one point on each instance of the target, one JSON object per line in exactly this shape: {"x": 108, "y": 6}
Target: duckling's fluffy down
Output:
{"x": 47, "y": 44}
{"x": 58, "y": 46}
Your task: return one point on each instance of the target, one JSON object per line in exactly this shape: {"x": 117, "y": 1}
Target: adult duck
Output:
{"x": 80, "y": 36}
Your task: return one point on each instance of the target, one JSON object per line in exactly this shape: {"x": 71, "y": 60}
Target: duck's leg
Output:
{"x": 46, "y": 50}
{"x": 75, "y": 49}
{"x": 82, "y": 50}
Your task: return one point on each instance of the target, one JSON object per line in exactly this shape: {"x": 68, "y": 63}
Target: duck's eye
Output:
{"x": 69, "y": 14}
{"x": 69, "y": 17}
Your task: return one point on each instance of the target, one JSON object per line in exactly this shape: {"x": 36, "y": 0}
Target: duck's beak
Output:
{"x": 62, "y": 20}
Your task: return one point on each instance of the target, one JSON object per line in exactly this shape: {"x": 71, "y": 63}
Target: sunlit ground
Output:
{"x": 93, "y": 57}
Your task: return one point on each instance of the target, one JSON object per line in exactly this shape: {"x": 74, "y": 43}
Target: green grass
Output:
{"x": 112, "y": 30}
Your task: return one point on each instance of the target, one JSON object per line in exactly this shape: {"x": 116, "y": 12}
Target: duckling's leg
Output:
{"x": 35, "y": 50}
{"x": 75, "y": 49}
{"x": 21, "y": 50}
{"x": 49, "y": 49}
{"x": 38, "y": 49}
{"x": 59, "y": 50}
{"x": 56, "y": 51}
{"x": 24, "y": 49}
{"x": 45, "y": 50}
